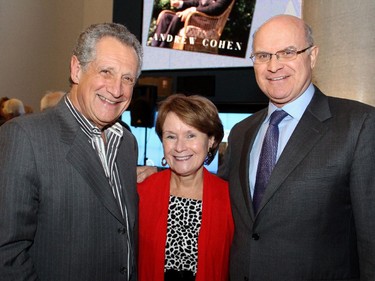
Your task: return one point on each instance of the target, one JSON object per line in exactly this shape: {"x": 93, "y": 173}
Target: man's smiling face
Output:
{"x": 103, "y": 89}
{"x": 285, "y": 81}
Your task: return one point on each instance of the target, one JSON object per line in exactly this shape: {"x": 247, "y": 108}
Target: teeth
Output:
{"x": 181, "y": 158}
{"x": 278, "y": 78}
{"x": 107, "y": 100}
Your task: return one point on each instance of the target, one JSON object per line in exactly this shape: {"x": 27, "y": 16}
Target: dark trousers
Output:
{"x": 168, "y": 24}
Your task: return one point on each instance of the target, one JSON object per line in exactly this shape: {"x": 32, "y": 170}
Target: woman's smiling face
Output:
{"x": 185, "y": 148}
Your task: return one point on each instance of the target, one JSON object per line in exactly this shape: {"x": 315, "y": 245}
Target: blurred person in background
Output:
{"x": 50, "y": 99}
{"x": 13, "y": 108}
{"x": 2, "y": 117}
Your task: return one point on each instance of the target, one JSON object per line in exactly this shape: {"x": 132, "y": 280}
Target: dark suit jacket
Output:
{"x": 317, "y": 217}
{"x": 58, "y": 217}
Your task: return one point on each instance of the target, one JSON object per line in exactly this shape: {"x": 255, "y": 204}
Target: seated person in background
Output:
{"x": 185, "y": 218}
{"x": 28, "y": 109}
{"x": 50, "y": 99}
{"x": 171, "y": 23}
{"x": 13, "y": 108}
{"x": 2, "y": 117}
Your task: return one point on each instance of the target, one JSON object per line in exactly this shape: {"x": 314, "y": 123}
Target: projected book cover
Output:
{"x": 193, "y": 34}
{"x": 208, "y": 26}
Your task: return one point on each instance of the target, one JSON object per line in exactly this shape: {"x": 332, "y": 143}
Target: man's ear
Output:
{"x": 75, "y": 69}
{"x": 314, "y": 55}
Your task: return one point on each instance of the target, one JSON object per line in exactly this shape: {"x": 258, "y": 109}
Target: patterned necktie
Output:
{"x": 267, "y": 158}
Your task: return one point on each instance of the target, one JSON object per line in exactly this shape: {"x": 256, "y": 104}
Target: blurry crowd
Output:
{"x": 13, "y": 107}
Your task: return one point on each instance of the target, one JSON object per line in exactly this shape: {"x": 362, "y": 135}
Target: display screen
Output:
{"x": 201, "y": 48}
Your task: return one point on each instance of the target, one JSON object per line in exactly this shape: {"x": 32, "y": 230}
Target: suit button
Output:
{"x": 121, "y": 230}
{"x": 255, "y": 236}
{"x": 123, "y": 270}
{"x": 246, "y": 279}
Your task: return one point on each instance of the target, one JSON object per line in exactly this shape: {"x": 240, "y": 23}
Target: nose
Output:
{"x": 114, "y": 87}
{"x": 274, "y": 64}
{"x": 180, "y": 145}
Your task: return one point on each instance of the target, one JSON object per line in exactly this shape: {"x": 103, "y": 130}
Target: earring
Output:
{"x": 208, "y": 158}
{"x": 163, "y": 162}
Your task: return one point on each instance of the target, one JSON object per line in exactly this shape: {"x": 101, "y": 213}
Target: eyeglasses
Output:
{"x": 282, "y": 56}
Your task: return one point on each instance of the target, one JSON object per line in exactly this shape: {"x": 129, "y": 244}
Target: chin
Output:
{"x": 182, "y": 172}
{"x": 109, "y": 118}
{"x": 279, "y": 97}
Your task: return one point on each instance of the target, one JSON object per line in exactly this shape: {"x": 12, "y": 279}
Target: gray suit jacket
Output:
{"x": 317, "y": 217}
{"x": 58, "y": 217}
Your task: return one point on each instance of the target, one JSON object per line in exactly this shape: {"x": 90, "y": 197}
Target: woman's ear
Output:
{"x": 211, "y": 142}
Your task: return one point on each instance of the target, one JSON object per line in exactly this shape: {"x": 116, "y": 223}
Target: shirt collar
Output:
{"x": 87, "y": 127}
{"x": 297, "y": 107}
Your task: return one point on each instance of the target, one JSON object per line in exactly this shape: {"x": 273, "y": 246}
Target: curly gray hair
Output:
{"x": 85, "y": 46}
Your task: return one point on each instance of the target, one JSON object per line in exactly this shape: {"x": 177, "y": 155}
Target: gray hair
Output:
{"x": 308, "y": 35}
{"x": 86, "y": 44}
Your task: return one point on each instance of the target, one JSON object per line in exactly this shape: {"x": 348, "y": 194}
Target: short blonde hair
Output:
{"x": 50, "y": 99}
{"x": 13, "y": 107}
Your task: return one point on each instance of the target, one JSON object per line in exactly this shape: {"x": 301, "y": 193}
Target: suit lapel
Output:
{"x": 84, "y": 159}
{"x": 307, "y": 133}
{"x": 127, "y": 171}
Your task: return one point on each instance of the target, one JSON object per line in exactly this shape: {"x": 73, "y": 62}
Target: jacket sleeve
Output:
{"x": 18, "y": 203}
{"x": 362, "y": 189}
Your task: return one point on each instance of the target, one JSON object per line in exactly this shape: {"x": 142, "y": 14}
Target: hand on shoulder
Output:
{"x": 144, "y": 172}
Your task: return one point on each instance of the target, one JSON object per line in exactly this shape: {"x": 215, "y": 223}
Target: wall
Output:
{"x": 36, "y": 42}
{"x": 344, "y": 31}
{"x": 37, "y": 38}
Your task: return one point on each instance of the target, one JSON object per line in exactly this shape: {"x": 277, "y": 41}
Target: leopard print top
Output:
{"x": 184, "y": 222}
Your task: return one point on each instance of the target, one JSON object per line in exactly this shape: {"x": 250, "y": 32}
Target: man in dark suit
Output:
{"x": 68, "y": 202}
{"x": 315, "y": 219}
{"x": 171, "y": 23}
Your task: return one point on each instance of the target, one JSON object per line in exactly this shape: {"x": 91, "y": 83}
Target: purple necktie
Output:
{"x": 267, "y": 158}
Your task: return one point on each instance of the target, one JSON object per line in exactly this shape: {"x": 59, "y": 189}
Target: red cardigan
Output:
{"x": 214, "y": 238}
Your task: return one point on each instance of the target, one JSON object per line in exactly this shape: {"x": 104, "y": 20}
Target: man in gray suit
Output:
{"x": 316, "y": 217}
{"x": 68, "y": 202}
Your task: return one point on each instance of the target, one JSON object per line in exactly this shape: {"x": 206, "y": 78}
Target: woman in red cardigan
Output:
{"x": 185, "y": 218}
